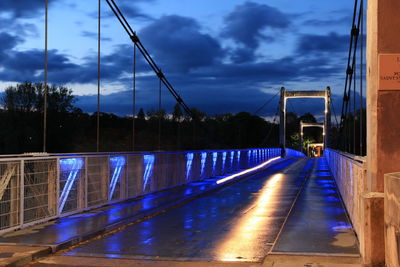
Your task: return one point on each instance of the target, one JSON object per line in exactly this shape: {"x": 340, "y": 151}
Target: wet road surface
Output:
{"x": 237, "y": 223}
{"x": 61, "y": 230}
{"x": 318, "y": 222}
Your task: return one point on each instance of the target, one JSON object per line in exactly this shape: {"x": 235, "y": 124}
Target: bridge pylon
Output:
{"x": 285, "y": 95}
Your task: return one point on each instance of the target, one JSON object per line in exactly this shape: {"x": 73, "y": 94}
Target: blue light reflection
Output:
{"x": 73, "y": 166}
{"x": 189, "y": 161}
{"x": 215, "y": 156}
{"x": 116, "y": 164}
{"x": 148, "y": 161}
{"x": 203, "y": 162}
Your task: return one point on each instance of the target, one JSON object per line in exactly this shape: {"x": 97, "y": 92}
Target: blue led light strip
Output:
{"x": 148, "y": 161}
{"x": 73, "y": 166}
{"x": 117, "y": 163}
{"x": 232, "y": 156}
{"x": 203, "y": 162}
{"x": 214, "y": 157}
{"x": 189, "y": 162}
{"x": 223, "y": 159}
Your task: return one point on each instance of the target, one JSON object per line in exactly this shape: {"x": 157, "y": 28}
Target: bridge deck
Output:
{"x": 291, "y": 207}
{"x": 242, "y": 222}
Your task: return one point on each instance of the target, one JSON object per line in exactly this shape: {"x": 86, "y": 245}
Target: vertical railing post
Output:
{"x": 58, "y": 173}
{"x": 22, "y": 192}
{"x": 86, "y": 183}
{"x": 108, "y": 178}
{"x": 123, "y": 190}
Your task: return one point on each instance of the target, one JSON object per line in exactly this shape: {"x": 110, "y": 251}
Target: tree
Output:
{"x": 177, "y": 113}
{"x": 28, "y": 97}
{"x": 22, "y": 97}
{"x": 308, "y": 117}
{"x": 140, "y": 115}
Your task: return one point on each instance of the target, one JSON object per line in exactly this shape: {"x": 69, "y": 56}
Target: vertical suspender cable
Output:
{"x": 361, "y": 77}
{"x": 45, "y": 75}
{"x": 134, "y": 97}
{"x": 98, "y": 79}
{"x": 354, "y": 106}
{"x": 159, "y": 115}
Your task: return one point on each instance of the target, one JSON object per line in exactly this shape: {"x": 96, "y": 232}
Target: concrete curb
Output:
{"x": 47, "y": 249}
{"x": 22, "y": 258}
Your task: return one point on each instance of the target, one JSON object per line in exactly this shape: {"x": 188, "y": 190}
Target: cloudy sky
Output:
{"x": 220, "y": 55}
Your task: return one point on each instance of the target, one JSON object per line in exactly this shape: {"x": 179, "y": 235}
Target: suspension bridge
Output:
{"x": 245, "y": 207}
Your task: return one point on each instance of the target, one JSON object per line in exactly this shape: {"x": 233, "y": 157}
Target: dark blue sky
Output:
{"x": 221, "y": 56}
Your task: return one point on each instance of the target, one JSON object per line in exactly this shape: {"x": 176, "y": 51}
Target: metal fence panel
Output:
{"x": 97, "y": 180}
{"x": 10, "y": 183}
{"x": 40, "y": 189}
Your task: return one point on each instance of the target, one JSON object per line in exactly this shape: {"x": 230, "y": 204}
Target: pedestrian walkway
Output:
{"x": 318, "y": 223}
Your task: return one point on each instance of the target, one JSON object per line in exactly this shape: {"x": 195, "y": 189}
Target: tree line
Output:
{"x": 71, "y": 130}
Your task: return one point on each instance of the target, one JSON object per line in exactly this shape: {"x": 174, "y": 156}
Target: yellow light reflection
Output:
{"x": 239, "y": 243}
{"x": 230, "y": 177}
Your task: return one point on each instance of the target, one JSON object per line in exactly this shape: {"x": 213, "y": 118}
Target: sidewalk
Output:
{"x": 318, "y": 223}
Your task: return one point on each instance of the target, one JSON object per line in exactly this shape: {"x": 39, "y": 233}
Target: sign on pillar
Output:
{"x": 389, "y": 72}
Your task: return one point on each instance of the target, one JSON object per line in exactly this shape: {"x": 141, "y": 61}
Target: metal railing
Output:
{"x": 34, "y": 189}
{"x": 294, "y": 153}
{"x": 349, "y": 172}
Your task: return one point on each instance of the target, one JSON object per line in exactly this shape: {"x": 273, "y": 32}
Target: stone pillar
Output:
{"x": 392, "y": 219}
{"x": 282, "y": 118}
{"x": 383, "y": 104}
{"x": 383, "y": 91}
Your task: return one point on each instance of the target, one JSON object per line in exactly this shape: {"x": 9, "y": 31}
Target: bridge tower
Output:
{"x": 285, "y": 95}
{"x": 308, "y": 125}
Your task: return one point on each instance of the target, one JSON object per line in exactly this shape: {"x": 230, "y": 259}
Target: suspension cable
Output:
{"x": 354, "y": 106}
{"x": 350, "y": 75}
{"x": 348, "y": 70}
{"x": 45, "y": 75}
{"x": 135, "y": 39}
{"x": 134, "y": 97}
{"x": 159, "y": 115}
{"x": 361, "y": 77}
{"x": 272, "y": 126}
{"x": 266, "y": 103}
{"x": 98, "y": 77}
{"x": 334, "y": 113}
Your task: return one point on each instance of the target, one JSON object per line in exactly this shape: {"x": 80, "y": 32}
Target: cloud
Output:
{"x": 18, "y": 27}
{"x": 132, "y": 11}
{"x": 128, "y": 8}
{"x": 23, "y": 8}
{"x": 246, "y": 23}
{"x": 8, "y": 42}
{"x": 343, "y": 20}
{"x": 242, "y": 55}
{"x": 331, "y": 43}
{"x": 93, "y": 35}
{"x": 179, "y": 44}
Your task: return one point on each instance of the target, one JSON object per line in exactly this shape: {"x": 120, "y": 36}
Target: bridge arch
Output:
{"x": 309, "y": 125}
{"x": 285, "y": 95}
